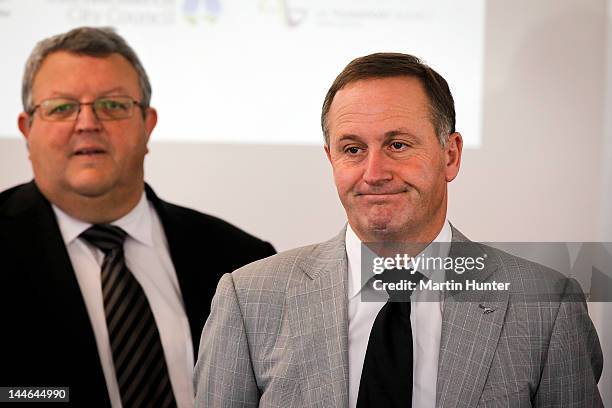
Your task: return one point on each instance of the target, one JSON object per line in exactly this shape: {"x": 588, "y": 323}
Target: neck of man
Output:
{"x": 99, "y": 209}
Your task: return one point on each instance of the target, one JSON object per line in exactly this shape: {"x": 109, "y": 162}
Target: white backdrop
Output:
{"x": 257, "y": 59}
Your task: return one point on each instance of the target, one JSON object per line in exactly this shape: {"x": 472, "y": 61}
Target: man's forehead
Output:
{"x": 388, "y": 101}
{"x": 356, "y": 109}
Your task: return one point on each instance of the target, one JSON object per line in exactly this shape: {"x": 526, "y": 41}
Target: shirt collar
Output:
{"x": 137, "y": 223}
{"x": 353, "y": 253}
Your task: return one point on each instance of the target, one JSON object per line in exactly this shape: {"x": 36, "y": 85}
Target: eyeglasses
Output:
{"x": 105, "y": 108}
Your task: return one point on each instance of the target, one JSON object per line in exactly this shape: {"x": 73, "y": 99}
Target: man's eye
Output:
{"x": 352, "y": 150}
{"x": 398, "y": 145}
{"x": 63, "y": 108}
{"x": 111, "y": 105}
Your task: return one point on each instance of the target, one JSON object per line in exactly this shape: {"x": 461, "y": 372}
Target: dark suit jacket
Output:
{"x": 46, "y": 337}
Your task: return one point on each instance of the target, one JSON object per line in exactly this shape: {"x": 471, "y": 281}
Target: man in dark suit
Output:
{"x": 104, "y": 287}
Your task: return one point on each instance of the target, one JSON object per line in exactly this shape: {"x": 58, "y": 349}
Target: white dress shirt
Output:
{"x": 148, "y": 258}
{"x": 425, "y": 318}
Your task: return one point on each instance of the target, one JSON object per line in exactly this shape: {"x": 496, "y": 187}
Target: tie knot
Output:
{"x": 106, "y": 237}
{"x": 405, "y": 281}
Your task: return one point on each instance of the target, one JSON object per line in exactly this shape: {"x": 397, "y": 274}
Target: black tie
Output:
{"x": 386, "y": 379}
{"x": 140, "y": 366}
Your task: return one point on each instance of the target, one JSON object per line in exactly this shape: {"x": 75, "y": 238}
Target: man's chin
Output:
{"x": 381, "y": 225}
{"x": 91, "y": 189}
{"x": 377, "y": 230}
{"x": 389, "y": 226}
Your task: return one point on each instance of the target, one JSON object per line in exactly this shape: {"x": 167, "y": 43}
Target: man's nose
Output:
{"x": 87, "y": 120}
{"x": 378, "y": 168}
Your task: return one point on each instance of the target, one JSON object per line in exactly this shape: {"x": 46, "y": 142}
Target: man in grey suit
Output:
{"x": 293, "y": 330}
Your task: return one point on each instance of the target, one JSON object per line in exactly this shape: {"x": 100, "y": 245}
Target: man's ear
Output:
{"x": 24, "y": 123}
{"x": 150, "y": 121}
{"x": 327, "y": 153}
{"x": 452, "y": 155}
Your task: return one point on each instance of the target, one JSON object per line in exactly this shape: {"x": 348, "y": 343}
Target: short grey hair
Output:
{"x": 91, "y": 41}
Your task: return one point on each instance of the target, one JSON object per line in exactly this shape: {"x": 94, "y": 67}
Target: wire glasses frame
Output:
{"x": 104, "y": 108}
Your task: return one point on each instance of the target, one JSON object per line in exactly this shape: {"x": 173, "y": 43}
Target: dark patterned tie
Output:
{"x": 140, "y": 366}
{"x": 386, "y": 379}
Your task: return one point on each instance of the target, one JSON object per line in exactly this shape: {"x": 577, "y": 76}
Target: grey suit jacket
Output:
{"x": 277, "y": 336}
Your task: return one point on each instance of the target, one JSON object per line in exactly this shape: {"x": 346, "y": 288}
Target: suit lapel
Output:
{"x": 183, "y": 257}
{"x": 46, "y": 264}
{"x": 51, "y": 268}
{"x": 471, "y": 326}
{"x": 318, "y": 318}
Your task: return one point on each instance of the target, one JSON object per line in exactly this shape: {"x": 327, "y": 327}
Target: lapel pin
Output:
{"x": 485, "y": 309}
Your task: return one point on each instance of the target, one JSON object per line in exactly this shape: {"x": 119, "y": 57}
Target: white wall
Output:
{"x": 538, "y": 175}
{"x": 542, "y": 173}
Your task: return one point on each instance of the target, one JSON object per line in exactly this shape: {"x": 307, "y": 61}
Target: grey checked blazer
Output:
{"x": 277, "y": 336}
